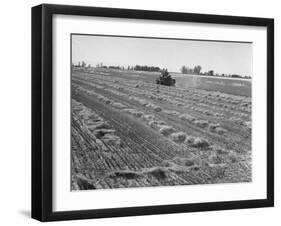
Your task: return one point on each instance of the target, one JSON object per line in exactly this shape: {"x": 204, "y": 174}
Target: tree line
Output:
{"x": 146, "y": 68}
{"x": 133, "y": 68}
{"x": 186, "y": 70}
{"x": 197, "y": 70}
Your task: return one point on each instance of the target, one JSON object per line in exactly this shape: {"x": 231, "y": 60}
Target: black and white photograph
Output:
{"x": 145, "y": 111}
{"x": 153, "y": 111}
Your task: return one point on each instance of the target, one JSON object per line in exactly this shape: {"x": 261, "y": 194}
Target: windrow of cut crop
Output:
{"x": 199, "y": 98}
{"x": 213, "y": 127}
{"x": 173, "y": 100}
{"x": 138, "y": 114}
{"x": 143, "y": 102}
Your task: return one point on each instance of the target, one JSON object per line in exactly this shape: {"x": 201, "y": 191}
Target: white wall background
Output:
{"x": 15, "y": 96}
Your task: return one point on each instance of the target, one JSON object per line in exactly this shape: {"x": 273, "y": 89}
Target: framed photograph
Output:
{"x": 145, "y": 112}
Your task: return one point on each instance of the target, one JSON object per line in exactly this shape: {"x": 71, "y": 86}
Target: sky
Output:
{"x": 222, "y": 57}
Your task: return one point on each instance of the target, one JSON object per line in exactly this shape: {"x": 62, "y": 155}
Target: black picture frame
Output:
{"x": 42, "y": 107}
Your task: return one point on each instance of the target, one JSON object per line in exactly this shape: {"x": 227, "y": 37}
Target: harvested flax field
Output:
{"x": 127, "y": 131}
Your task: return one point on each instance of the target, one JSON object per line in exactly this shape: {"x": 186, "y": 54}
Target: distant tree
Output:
{"x": 89, "y": 65}
{"x": 146, "y": 68}
{"x": 183, "y": 69}
{"x": 79, "y": 65}
{"x": 236, "y": 76}
{"x": 211, "y": 73}
{"x": 99, "y": 65}
{"x": 114, "y": 67}
{"x": 197, "y": 70}
{"x": 83, "y": 64}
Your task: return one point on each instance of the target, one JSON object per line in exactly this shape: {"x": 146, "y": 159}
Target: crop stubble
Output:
{"x": 132, "y": 133}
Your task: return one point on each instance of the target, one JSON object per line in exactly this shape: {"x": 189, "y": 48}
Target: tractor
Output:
{"x": 165, "y": 79}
